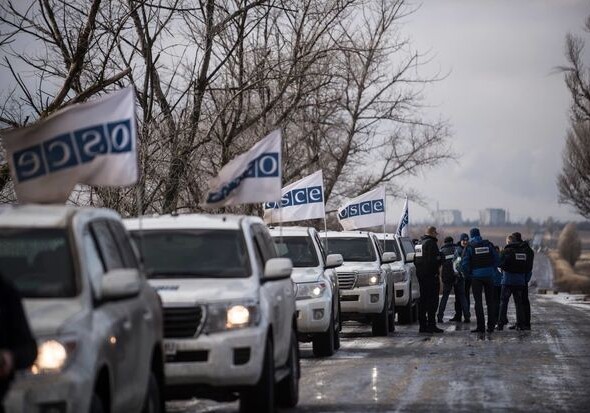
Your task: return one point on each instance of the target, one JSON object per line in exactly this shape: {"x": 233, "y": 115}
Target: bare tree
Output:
{"x": 574, "y": 181}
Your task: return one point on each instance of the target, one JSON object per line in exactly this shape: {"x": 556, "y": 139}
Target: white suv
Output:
{"x": 407, "y": 288}
{"x": 318, "y": 303}
{"x": 229, "y": 308}
{"x": 365, "y": 279}
{"x": 97, "y": 321}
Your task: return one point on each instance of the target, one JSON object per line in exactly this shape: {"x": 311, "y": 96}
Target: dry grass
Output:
{"x": 571, "y": 279}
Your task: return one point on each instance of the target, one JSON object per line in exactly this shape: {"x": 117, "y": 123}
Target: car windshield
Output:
{"x": 206, "y": 253}
{"x": 38, "y": 262}
{"x": 391, "y": 246}
{"x": 352, "y": 249}
{"x": 300, "y": 249}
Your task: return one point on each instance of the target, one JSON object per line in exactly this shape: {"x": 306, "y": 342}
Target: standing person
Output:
{"x": 427, "y": 261}
{"x": 516, "y": 262}
{"x": 449, "y": 278}
{"x": 18, "y": 348}
{"x": 497, "y": 286}
{"x": 479, "y": 262}
{"x": 526, "y": 304}
{"x": 463, "y": 284}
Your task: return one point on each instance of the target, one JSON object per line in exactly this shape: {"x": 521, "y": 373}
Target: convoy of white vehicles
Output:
{"x": 232, "y": 302}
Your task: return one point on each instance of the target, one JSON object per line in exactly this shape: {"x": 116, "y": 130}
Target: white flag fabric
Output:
{"x": 404, "y": 221}
{"x": 89, "y": 143}
{"x": 366, "y": 210}
{"x": 252, "y": 177}
{"x": 300, "y": 200}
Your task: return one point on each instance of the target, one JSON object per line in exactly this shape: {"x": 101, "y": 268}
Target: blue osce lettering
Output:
{"x": 362, "y": 208}
{"x": 265, "y": 166}
{"x": 298, "y": 196}
{"x": 72, "y": 149}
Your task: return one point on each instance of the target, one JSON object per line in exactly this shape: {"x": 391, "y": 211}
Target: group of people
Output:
{"x": 473, "y": 264}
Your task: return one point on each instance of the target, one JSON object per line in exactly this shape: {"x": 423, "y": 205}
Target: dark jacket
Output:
{"x": 429, "y": 262}
{"x": 470, "y": 270}
{"x": 512, "y": 277}
{"x": 15, "y": 335}
{"x": 447, "y": 255}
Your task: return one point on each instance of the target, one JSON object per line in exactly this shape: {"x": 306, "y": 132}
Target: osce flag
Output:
{"x": 366, "y": 210}
{"x": 300, "y": 200}
{"x": 404, "y": 221}
{"x": 254, "y": 176}
{"x": 90, "y": 143}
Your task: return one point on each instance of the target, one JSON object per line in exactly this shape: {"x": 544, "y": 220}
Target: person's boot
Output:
{"x": 456, "y": 318}
{"x": 478, "y": 330}
{"x": 500, "y": 327}
{"x": 467, "y": 320}
{"x": 435, "y": 329}
{"x": 512, "y": 327}
{"x": 440, "y": 320}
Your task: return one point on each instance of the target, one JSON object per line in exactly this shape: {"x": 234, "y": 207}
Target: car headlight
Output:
{"x": 53, "y": 355}
{"x": 310, "y": 290}
{"x": 368, "y": 279}
{"x": 399, "y": 276}
{"x": 231, "y": 316}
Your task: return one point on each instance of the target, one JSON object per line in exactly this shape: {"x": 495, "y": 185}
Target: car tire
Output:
{"x": 324, "y": 343}
{"x": 380, "y": 322}
{"x": 406, "y": 313}
{"x": 261, "y": 396}
{"x": 153, "y": 397}
{"x": 97, "y": 404}
{"x": 288, "y": 388}
{"x": 392, "y": 317}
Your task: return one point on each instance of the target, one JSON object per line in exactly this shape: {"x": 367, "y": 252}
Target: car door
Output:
{"x": 406, "y": 247}
{"x": 143, "y": 314}
{"x": 331, "y": 274}
{"x": 124, "y": 340}
{"x": 281, "y": 296}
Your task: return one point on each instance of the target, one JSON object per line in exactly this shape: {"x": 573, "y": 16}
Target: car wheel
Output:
{"x": 392, "y": 317}
{"x": 337, "y": 335}
{"x": 288, "y": 388}
{"x": 97, "y": 404}
{"x": 324, "y": 343}
{"x": 416, "y": 311}
{"x": 153, "y": 397}
{"x": 261, "y": 396}
{"x": 406, "y": 313}
{"x": 380, "y": 322}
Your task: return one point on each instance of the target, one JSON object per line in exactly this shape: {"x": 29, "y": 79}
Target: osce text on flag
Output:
{"x": 72, "y": 149}
{"x": 298, "y": 196}
{"x": 265, "y": 166}
{"x": 375, "y": 206}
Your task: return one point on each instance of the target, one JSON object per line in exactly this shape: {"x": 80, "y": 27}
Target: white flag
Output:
{"x": 402, "y": 227}
{"x": 366, "y": 210}
{"x": 89, "y": 143}
{"x": 254, "y": 176}
{"x": 300, "y": 200}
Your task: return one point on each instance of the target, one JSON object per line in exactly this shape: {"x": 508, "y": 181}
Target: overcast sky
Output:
{"x": 507, "y": 106}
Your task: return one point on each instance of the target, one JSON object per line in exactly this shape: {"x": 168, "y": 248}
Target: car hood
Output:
{"x": 49, "y": 316}
{"x": 306, "y": 274}
{"x": 183, "y": 291}
{"x": 358, "y": 266}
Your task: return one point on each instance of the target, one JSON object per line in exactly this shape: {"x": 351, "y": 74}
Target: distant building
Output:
{"x": 492, "y": 217}
{"x": 448, "y": 217}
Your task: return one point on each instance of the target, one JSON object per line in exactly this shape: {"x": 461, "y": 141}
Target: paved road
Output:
{"x": 547, "y": 369}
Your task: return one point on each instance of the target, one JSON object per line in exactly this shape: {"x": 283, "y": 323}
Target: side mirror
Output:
{"x": 410, "y": 257}
{"x": 388, "y": 257}
{"x": 120, "y": 283}
{"x": 277, "y": 269}
{"x": 334, "y": 260}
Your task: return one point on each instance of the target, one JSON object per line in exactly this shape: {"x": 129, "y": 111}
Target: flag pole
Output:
{"x": 139, "y": 196}
{"x": 326, "y": 232}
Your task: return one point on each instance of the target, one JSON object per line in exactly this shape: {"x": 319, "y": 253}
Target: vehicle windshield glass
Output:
{"x": 38, "y": 262}
{"x": 202, "y": 253}
{"x": 352, "y": 249}
{"x": 391, "y": 246}
{"x": 300, "y": 249}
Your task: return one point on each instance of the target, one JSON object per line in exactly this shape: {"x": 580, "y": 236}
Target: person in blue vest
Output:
{"x": 462, "y": 285}
{"x": 516, "y": 262}
{"x": 479, "y": 263}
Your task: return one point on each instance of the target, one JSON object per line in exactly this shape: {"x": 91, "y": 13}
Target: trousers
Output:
{"x": 429, "y": 287}
{"x": 485, "y": 286}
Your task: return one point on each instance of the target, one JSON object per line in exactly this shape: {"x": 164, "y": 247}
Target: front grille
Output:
{"x": 182, "y": 322}
{"x": 346, "y": 281}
